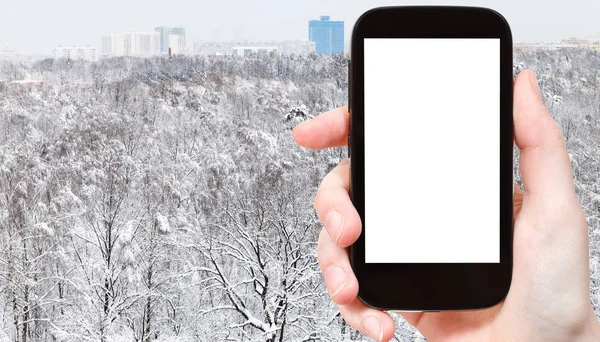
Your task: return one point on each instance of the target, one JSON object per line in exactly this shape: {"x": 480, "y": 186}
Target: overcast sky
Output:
{"x": 39, "y": 25}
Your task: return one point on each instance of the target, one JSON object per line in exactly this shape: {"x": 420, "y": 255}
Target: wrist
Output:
{"x": 596, "y": 333}
{"x": 593, "y": 331}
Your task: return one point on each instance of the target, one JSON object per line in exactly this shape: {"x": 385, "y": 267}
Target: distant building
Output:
{"x": 251, "y": 50}
{"x": 167, "y": 42}
{"x": 586, "y": 42}
{"x": 82, "y": 53}
{"x": 213, "y": 48}
{"x": 8, "y": 54}
{"x": 298, "y": 47}
{"x": 328, "y": 35}
{"x": 131, "y": 44}
{"x": 576, "y": 41}
{"x": 531, "y": 47}
{"x": 106, "y": 46}
{"x": 570, "y": 43}
{"x": 179, "y": 32}
{"x": 175, "y": 45}
{"x": 144, "y": 43}
{"x": 164, "y": 33}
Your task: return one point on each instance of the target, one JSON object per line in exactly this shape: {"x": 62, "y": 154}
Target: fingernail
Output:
{"x": 534, "y": 84}
{"x": 374, "y": 328}
{"x": 336, "y": 279}
{"x": 334, "y": 223}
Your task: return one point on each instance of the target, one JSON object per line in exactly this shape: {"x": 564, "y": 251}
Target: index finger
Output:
{"x": 327, "y": 130}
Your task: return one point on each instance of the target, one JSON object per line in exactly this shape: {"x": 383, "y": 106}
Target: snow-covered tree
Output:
{"x": 165, "y": 200}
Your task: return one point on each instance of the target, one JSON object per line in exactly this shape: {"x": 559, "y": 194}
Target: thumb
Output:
{"x": 544, "y": 163}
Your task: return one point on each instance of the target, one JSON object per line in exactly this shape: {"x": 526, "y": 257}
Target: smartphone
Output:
{"x": 431, "y": 155}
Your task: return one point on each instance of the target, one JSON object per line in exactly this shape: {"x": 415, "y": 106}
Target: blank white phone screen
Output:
{"x": 432, "y": 150}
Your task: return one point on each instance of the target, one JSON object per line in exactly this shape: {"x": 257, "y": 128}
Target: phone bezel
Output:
{"x": 425, "y": 286}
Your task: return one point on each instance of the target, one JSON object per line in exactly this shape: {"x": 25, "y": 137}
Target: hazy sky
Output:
{"x": 39, "y": 25}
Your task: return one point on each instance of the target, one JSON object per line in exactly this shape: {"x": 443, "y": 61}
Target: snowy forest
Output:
{"x": 164, "y": 199}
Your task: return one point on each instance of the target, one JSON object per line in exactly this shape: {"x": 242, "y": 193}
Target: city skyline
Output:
{"x": 324, "y": 37}
{"x": 68, "y": 22}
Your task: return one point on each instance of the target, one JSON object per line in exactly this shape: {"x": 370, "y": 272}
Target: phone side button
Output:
{"x": 349, "y": 146}
{"x": 349, "y": 86}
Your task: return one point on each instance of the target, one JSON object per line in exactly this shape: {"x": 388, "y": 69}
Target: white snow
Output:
{"x": 162, "y": 224}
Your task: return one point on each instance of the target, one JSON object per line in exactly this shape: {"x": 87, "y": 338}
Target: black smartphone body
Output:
{"x": 431, "y": 157}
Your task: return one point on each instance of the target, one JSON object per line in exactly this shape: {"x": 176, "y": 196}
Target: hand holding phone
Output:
{"x": 549, "y": 294}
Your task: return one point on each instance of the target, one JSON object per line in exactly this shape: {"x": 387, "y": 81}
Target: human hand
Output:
{"x": 549, "y": 295}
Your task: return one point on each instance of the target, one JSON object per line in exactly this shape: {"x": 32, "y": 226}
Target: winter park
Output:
{"x": 164, "y": 199}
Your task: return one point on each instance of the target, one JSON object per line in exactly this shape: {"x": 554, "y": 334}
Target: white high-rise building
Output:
{"x": 85, "y": 53}
{"x": 106, "y": 46}
{"x": 131, "y": 44}
{"x": 144, "y": 43}
{"x": 175, "y": 44}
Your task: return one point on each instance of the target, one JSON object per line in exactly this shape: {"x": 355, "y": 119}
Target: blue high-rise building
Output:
{"x": 328, "y": 35}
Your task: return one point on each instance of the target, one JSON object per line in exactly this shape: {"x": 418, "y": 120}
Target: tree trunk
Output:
{"x": 11, "y": 282}
{"x": 25, "y": 327}
{"x": 148, "y": 321}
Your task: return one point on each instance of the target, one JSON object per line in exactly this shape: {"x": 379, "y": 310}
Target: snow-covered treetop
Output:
{"x": 297, "y": 113}
{"x": 162, "y": 224}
